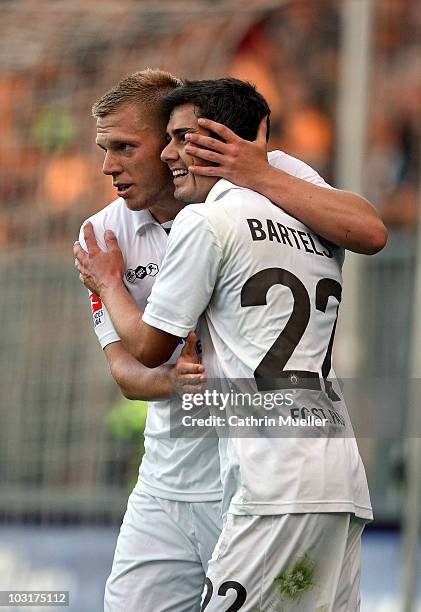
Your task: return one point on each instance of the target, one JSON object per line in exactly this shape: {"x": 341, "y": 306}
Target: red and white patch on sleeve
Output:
{"x": 97, "y": 310}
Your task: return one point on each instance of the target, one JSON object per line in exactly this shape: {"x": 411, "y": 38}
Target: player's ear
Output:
{"x": 262, "y": 132}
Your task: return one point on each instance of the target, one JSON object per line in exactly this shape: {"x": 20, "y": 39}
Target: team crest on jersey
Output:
{"x": 141, "y": 271}
{"x": 97, "y": 310}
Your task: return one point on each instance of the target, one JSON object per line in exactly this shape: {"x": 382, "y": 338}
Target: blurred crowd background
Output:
{"x": 69, "y": 445}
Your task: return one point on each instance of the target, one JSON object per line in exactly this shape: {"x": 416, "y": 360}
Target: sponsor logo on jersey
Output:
{"x": 97, "y": 309}
{"x": 140, "y": 272}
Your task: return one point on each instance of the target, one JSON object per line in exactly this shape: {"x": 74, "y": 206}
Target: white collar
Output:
{"x": 142, "y": 218}
{"x": 219, "y": 189}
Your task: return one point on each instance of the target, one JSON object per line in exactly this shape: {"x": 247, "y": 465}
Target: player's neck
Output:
{"x": 166, "y": 212}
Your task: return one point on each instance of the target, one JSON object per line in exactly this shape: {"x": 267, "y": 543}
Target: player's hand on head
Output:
{"x": 98, "y": 269}
{"x": 188, "y": 375}
{"x": 236, "y": 159}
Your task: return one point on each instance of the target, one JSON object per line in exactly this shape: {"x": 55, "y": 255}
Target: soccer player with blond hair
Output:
{"x": 173, "y": 518}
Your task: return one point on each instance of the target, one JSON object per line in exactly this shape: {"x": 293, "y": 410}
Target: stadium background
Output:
{"x": 69, "y": 445}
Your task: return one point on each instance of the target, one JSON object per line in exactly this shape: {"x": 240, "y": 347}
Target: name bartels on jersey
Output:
{"x": 273, "y": 231}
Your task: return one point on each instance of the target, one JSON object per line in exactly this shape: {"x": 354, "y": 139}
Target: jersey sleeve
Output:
{"x": 296, "y": 167}
{"x": 103, "y": 326}
{"x": 301, "y": 170}
{"x": 189, "y": 271}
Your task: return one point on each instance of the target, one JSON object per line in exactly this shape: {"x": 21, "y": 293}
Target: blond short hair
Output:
{"x": 144, "y": 88}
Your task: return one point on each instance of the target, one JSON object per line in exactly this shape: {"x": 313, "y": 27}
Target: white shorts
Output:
{"x": 286, "y": 563}
{"x": 162, "y": 555}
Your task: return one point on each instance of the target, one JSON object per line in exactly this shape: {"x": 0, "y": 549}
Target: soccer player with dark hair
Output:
{"x": 269, "y": 290}
{"x": 173, "y": 513}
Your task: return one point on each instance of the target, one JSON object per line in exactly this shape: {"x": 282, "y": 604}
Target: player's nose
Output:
{"x": 169, "y": 153}
{"x": 111, "y": 164}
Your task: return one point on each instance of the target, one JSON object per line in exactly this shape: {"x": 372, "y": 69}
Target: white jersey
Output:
{"x": 269, "y": 289}
{"x": 184, "y": 469}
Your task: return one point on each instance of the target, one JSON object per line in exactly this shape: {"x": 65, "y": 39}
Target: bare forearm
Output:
{"x": 139, "y": 382}
{"x": 153, "y": 385}
{"x": 125, "y": 314}
{"x": 150, "y": 346}
{"x": 342, "y": 217}
{"x": 135, "y": 380}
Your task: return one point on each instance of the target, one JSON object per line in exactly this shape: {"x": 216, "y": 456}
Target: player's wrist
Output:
{"x": 262, "y": 177}
{"x": 165, "y": 380}
{"x": 110, "y": 285}
{"x": 274, "y": 184}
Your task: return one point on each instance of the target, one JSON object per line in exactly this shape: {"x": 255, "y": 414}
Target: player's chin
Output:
{"x": 184, "y": 195}
{"x": 135, "y": 204}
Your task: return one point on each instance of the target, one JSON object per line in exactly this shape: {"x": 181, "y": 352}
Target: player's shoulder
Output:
{"x": 224, "y": 203}
{"x": 295, "y": 167}
{"x": 227, "y": 194}
{"x": 191, "y": 217}
{"x": 235, "y": 201}
{"x": 227, "y": 204}
{"x": 112, "y": 214}
{"x": 117, "y": 218}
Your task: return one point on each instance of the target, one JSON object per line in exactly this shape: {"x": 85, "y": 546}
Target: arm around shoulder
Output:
{"x": 342, "y": 217}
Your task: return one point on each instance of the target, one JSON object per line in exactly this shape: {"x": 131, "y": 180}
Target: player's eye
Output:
{"x": 124, "y": 146}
